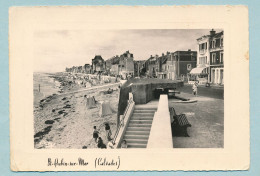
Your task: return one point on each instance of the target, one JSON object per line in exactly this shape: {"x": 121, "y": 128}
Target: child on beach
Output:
{"x": 100, "y": 143}
{"x": 124, "y": 144}
{"x": 110, "y": 144}
{"x": 95, "y": 133}
{"x": 108, "y": 131}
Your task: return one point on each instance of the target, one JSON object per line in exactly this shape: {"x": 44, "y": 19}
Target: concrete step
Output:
{"x": 145, "y": 108}
{"x": 142, "y": 117}
{"x": 143, "y": 114}
{"x": 141, "y": 121}
{"x": 136, "y": 141}
{"x": 136, "y": 145}
{"x": 137, "y": 133}
{"x": 139, "y": 125}
{"x": 144, "y": 111}
{"x": 127, "y": 137}
{"x": 138, "y": 129}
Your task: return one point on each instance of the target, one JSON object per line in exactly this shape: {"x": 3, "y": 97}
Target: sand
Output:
{"x": 63, "y": 121}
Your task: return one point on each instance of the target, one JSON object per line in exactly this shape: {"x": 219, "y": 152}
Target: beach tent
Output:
{"x": 105, "y": 109}
{"x": 91, "y": 103}
{"x": 113, "y": 79}
{"x": 88, "y": 84}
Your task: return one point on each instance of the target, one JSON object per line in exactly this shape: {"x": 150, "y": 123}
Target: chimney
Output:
{"x": 162, "y": 54}
{"x": 151, "y": 55}
{"x": 168, "y": 52}
{"x": 212, "y": 32}
{"x": 189, "y": 50}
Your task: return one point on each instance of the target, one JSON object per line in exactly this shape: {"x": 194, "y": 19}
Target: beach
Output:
{"x": 62, "y": 118}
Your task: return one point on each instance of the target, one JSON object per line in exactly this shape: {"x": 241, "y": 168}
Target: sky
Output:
{"x": 56, "y": 50}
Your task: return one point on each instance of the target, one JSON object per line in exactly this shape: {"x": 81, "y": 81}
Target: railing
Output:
{"x": 202, "y": 51}
{"x": 121, "y": 123}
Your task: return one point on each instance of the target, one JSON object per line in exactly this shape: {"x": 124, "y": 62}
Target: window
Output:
{"x": 203, "y": 46}
{"x": 213, "y": 58}
{"x": 213, "y": 44}
{"x": 203, "y": 60}
{"x": 221, "y": 42}
{"x": 221, "y": 57}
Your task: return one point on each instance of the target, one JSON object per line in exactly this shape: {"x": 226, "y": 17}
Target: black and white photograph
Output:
{"x": 131, "y": 88}
{"x": 151, "y": 89}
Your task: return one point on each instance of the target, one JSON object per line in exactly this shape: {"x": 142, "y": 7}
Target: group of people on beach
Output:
{"x": 99, "y": 140}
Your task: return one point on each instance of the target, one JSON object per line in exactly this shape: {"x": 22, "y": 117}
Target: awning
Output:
{"x": 197, "y": 70}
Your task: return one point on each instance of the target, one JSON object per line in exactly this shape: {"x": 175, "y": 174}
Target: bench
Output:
{"x": 180, "y": 124}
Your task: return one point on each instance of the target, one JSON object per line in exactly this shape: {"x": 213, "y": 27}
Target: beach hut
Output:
{"x": 113, "y": 79}
{"x": 105, "y": 109}
{"x": 91, "y": 103}
{"x": 88, "y": 84}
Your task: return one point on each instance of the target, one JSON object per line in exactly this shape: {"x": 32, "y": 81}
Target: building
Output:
{"x": 126, "y": 65}
{"x": 164, "y": 71}
{"x": 216, "y": 50}
{"x": 152, "y": 66}
{"x": 138, "y": 68}
{"x": 184, "y": 62}
{"x": 98, "y": 64}
{"x": 210, "y": 60}
{"x": 176, "y": 65}
{"x": 111, "y": 64}
{"x": 87, "y": 68}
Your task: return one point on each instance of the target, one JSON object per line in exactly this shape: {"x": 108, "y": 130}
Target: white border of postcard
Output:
{"x": 233, "y": 19}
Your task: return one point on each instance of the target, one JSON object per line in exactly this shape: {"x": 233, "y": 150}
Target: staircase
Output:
{"x": 138, "y": 130}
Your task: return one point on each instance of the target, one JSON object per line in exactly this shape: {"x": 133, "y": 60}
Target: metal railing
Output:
{"x": 121, "y": 123}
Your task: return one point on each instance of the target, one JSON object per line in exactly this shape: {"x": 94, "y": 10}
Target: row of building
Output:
{"x": 206, "y": 64}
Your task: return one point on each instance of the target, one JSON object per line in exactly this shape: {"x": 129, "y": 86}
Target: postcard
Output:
{"x": 129, "y": 88}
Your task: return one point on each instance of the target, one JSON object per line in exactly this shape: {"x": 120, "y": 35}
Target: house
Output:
{"x": 216, "y": 50}
{"x": 87, "y": 68}
{"x": 166, "y": 66}
{"x": 184, "y": 62}
{"x": 126, "y": 64}
{"x": 111, "y": 64}
{"x": 152, "y": 66}
{"x": 210, "y": 61}
{"x": 176, "y": 65}
{"x": 138, "y": 67}
{"x": 98, "y": 64}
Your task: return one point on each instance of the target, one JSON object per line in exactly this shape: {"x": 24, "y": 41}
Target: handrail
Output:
{"x": 130, "y": 101}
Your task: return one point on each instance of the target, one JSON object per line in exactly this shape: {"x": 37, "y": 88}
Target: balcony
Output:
{"x": 217, "y": 48}
{"x": 202, "y": 51}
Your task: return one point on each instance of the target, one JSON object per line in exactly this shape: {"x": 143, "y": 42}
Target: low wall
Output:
{"x": 143, "y": 93}
{"x": 124, "y": 125}
{"x": 161, "y": 132}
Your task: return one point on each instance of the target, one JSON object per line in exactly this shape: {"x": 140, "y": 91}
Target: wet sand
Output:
{"x": 63, "y": 120}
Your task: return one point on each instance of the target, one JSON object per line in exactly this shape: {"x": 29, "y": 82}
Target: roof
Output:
{"x": 216, "y": 35}
{"x": 98, "y": 57}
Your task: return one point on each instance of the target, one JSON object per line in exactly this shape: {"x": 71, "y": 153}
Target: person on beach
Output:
{"x": 195, "y": 88}
{"x": 100, "y": 143}
{"x": 110, "y": 144}
{"x": 108, "y": 131}
{"x": 95, "y": 133}
{"x": 124, "y": 144}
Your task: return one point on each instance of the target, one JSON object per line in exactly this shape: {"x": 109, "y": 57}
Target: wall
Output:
{"x": 161, "y": 132}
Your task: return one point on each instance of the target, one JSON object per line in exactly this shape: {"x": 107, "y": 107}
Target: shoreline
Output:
{"x": 62, "y": 120}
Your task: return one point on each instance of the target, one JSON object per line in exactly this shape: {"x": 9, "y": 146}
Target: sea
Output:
{"x": 44, "y": 86}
